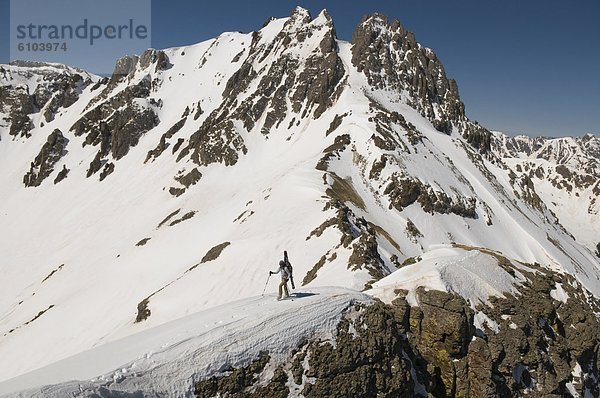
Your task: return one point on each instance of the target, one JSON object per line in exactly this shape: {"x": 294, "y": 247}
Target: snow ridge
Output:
{"x": 170, "y": 358}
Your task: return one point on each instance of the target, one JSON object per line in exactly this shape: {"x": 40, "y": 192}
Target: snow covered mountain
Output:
{"x": 173, "y": 186}
{"x": 566, "y": 175}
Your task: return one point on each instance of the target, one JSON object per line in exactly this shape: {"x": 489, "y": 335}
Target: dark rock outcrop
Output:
{"x": 369, "y": 359}
{"x": 386, "y": 122}
{"x": 216, "y": 141}
{"x": 403, "y": 192}
{"x": 143, "y": 312}
{"x": 186, "y": 180}
{"x": 441, "y": 328}
{"x": 237, "y": 382}
{"x": 62, "y": 174}
{"x": 478, "y": 137}
{"x": 335, "y": 123}
{"x": 127, "y": 66}
{"x": 56, "y": 87}
{"x": 107, "y": 170}
{"x": 214, "y": 252}
{"x": 43, "y": 165}
{"x": 163, "y": 144}
{"x": 60, "y": 94}
{"x": 358, "y": 235}
{"x": 18, "y": 104}
{"x": 190, "y": 178}
{"x": 340, "y": 143}
{"x": 183, "y": 218}
{"x": 117, "y": 124}
{"x": 158, "y": 58}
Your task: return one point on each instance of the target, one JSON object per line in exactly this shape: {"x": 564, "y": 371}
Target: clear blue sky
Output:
{"x": 528, "y": 66}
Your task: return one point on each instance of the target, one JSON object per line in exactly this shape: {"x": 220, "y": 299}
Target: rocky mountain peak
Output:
{"x": 303, "y": 24}
{"x": 300, "y": 14}
{"x": 375, "y": 20}
{"x": 391, "y": 59}
{"x": 294, "y": 66}
{"x": 325, "y": 14}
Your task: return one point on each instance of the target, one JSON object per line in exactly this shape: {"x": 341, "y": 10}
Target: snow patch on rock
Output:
{"x": 473, "y": 275}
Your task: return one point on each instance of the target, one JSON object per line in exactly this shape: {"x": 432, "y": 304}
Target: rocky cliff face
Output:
{"x": 50, "y": 154}
{"x": 31, "y": 87}
{"x": 390, "y": 57}
{"x": 542, "y": 341}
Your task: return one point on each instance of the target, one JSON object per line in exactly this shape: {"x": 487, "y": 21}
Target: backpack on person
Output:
{"x": 288, "y": 268}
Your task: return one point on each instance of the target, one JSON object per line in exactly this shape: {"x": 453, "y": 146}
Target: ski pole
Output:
{"x": 265, "y": 289}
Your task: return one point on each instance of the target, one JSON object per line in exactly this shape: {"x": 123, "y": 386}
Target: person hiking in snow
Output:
{"x": 285, "y": 276}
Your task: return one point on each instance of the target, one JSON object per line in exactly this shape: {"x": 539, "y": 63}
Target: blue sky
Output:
{"x": 522, "y": 66}
{"x": 95, "y": 52}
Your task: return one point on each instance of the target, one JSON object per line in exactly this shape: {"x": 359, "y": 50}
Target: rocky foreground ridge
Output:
{"x": 541, "y": 341}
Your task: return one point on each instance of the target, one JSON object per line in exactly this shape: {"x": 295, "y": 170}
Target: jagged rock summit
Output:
{"x": 172, "y": 187}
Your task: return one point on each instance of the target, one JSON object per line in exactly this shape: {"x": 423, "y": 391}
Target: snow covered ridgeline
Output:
{"x": 169, "y": 358}
{"x": 522, "y": 328}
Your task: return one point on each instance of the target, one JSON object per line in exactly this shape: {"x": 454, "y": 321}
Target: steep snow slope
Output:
{"x": 175, "y": 185}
